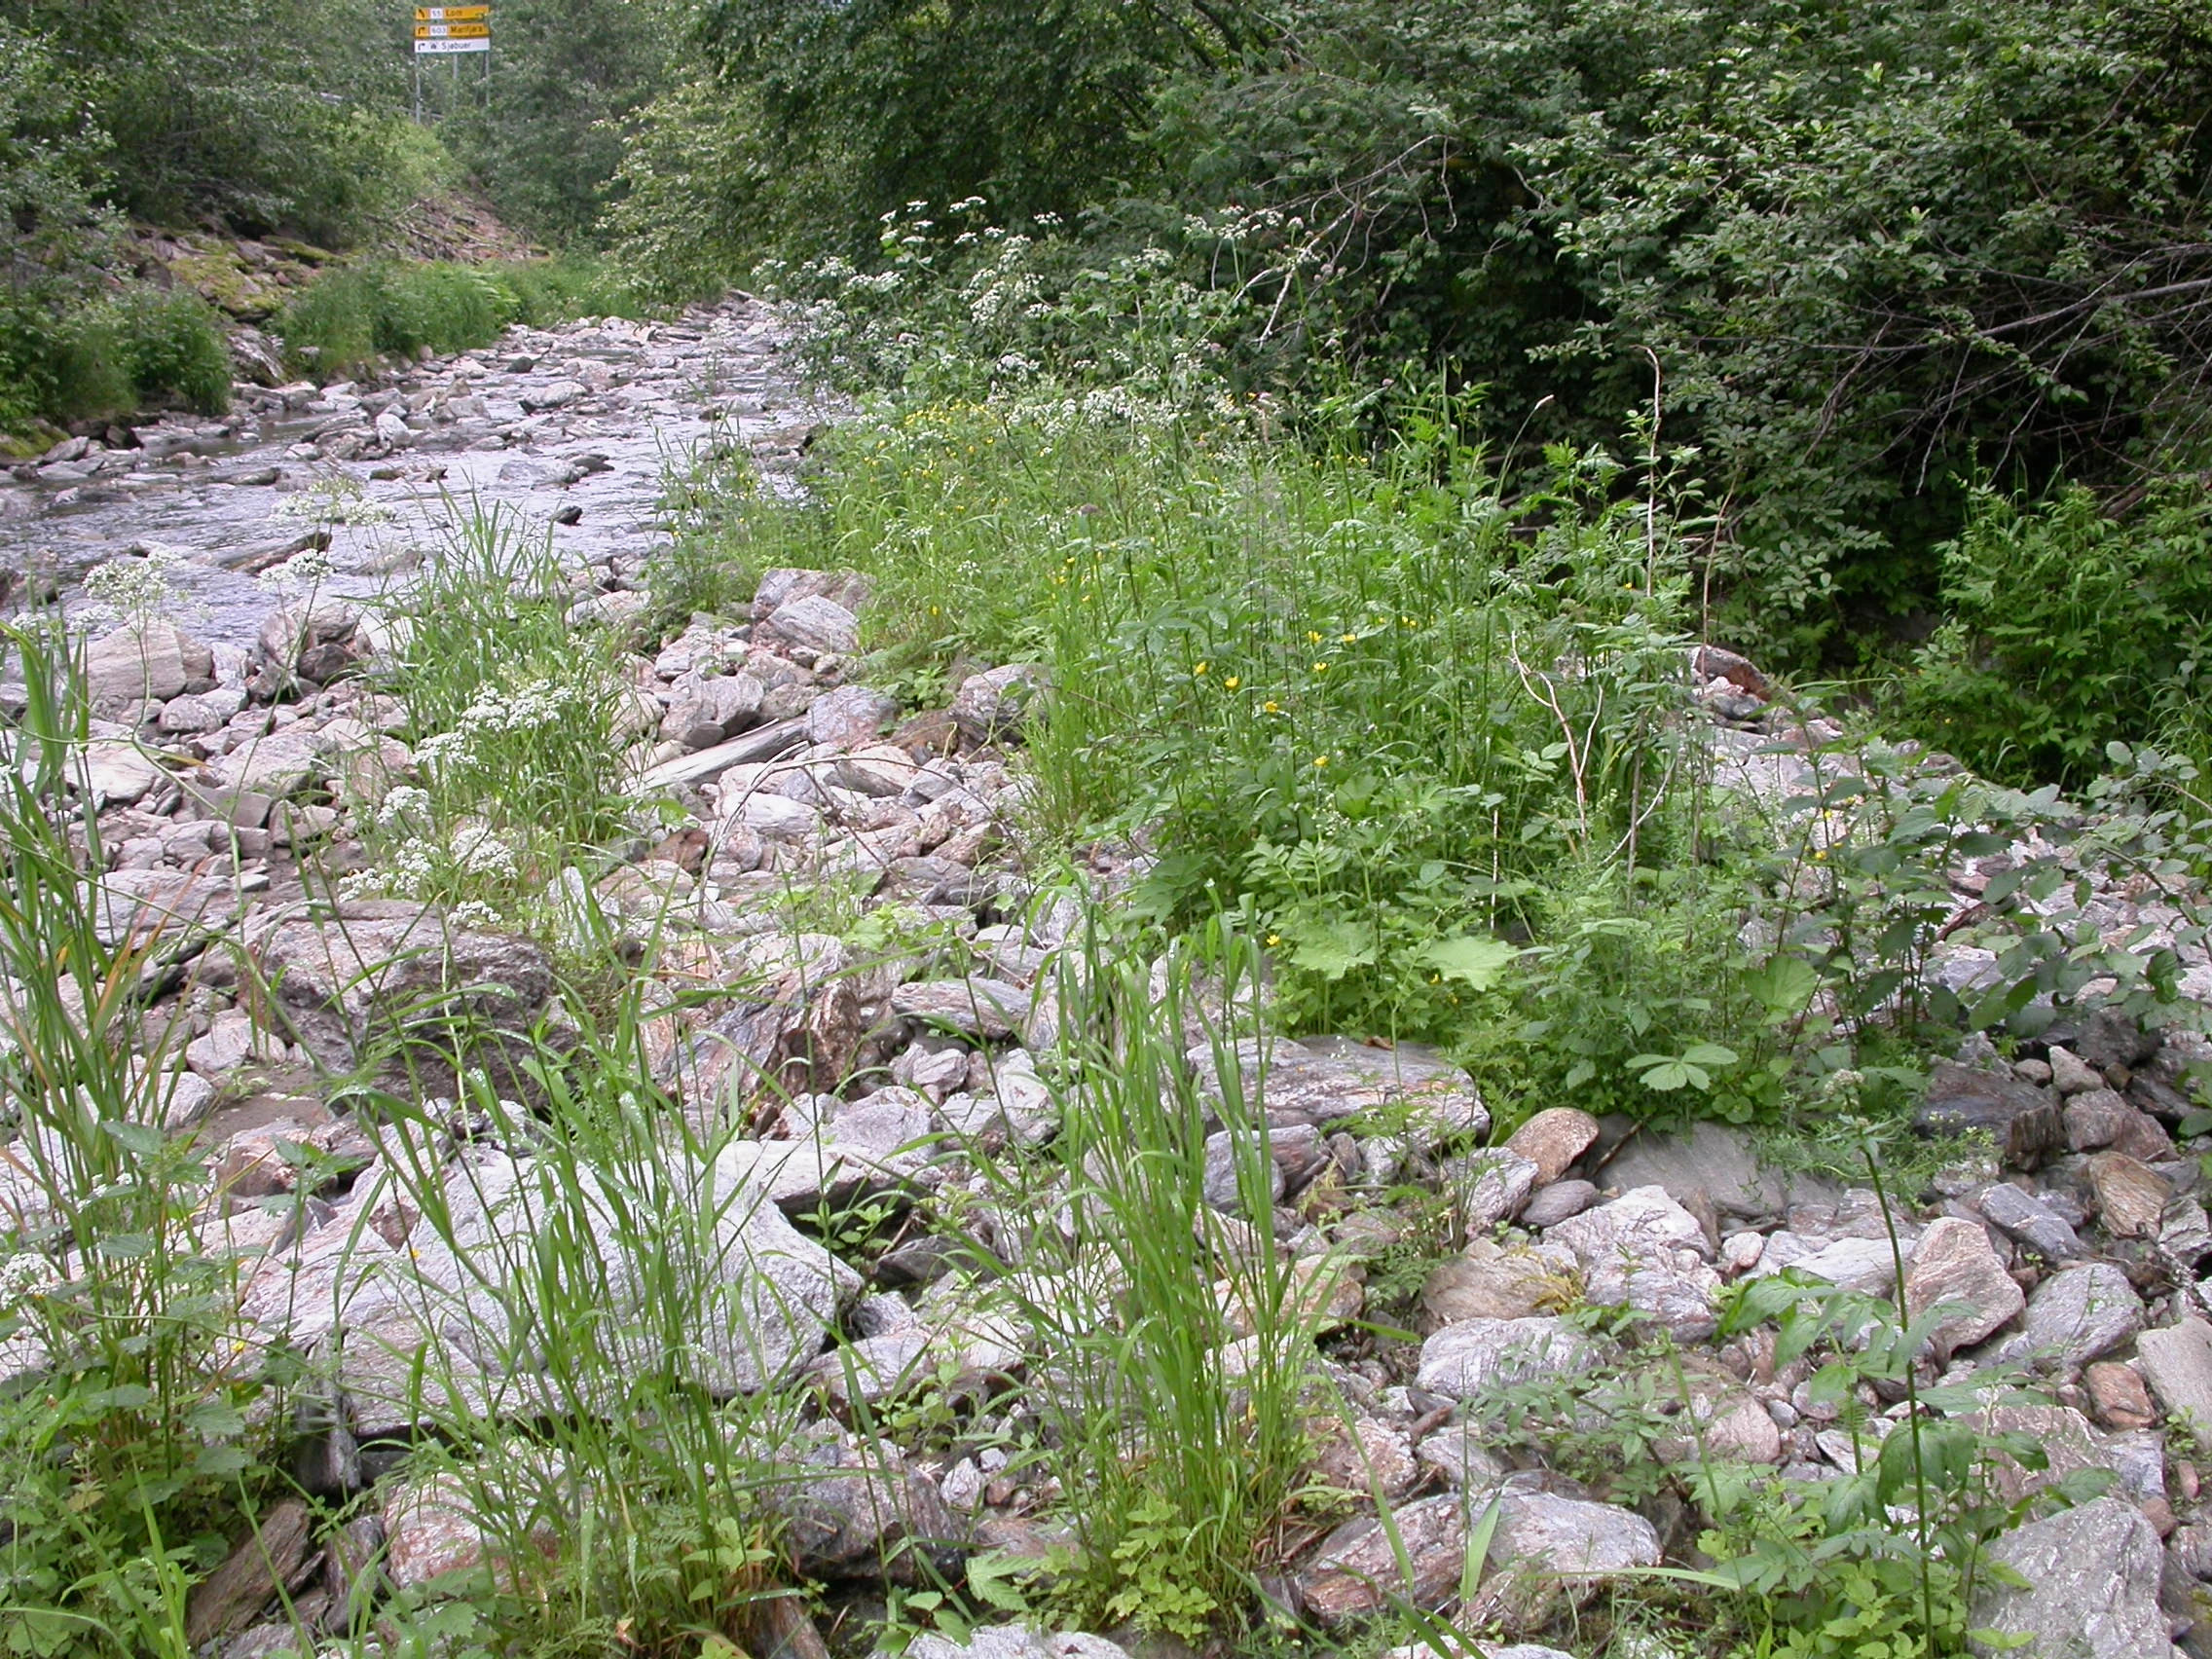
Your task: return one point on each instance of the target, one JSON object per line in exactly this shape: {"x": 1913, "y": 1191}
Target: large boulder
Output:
{"x": 1645, "y": 1251}
{"x": 391, "y": 985}
{"x": 992, "y": 707}
{"x": 753, "y": 1298}
{"x": 1954, "y": 1272}
{"x": 2023, "y": 1119}
{"x": 2089, "y": 1587}
{"x": 1364, "y": 1568}
{"x": 1474, "y": 1357}
{"x": 1319, "y": 1082}
{"x": 141, "y": 664}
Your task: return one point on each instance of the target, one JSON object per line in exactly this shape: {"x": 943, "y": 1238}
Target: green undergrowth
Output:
{"x": 110, "y": 358}
{"x": 390, "y": 307}
{"x": 1429, "y": 740}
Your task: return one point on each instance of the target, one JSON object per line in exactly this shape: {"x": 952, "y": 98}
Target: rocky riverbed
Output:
{"x": 240, "y": 750}
{"x": 575, "y": 427}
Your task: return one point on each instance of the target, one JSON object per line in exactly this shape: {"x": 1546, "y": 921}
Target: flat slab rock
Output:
{"x": 1325, "y": 1081}
{"x": 2092, "y": 1577}
{"x": 1013, "y": 1642}
{"x": 1475, "y": 1356}
{"x": 759, "y": 1296}
{"x": 2023, "y": 1119}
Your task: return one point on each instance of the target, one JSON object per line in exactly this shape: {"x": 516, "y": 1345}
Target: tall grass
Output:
{"x": 1404, "y": 724}
{"x": 112, "y": 356}
{"x": 1173, "y": 1341}
{"x": 515, "y": 718}
{"x": 351, "y": 314}
{"x": 594, "y": 1357}
{"x": 131, "y": 1446}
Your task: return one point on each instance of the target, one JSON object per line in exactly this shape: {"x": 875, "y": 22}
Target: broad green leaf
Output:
{"x": 1333, "y": 949}
{"x": 1710, "y": 1054}
{"x": 1472, "y": 960}
{"x": 1785, "y": 985}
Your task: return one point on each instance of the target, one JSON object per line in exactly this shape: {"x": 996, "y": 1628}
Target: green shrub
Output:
{"x": 2070, "y": 629}
{"x": 137, "y": 350}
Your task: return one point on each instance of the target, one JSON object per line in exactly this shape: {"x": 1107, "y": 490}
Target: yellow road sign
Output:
{"x": 453, "y": 14}
{"x": 452, "y": 31}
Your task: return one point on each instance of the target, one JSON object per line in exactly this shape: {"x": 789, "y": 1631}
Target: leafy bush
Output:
{"x": 163, "y": 347}
{"x": 547, "y": 146}
{"x": 2070, "y": 629}
{"x": 293, "y": 133}
{"x": 1854, "y": 247}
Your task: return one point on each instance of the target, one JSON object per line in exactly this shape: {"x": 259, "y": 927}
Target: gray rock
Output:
{"x": 850, "y": 716}
{"x": 2021, "y": 1118}
{"x": 1556, "y": 1202}
{"x": 1360, "y": 1569}
{"x": 381, "y": 982}
{"x": 976, "y": 1008}
{"x": 855, "y": 1511}
{"x": 2092, "y": 1577}
{"x": 780, "y": 586}
{"x": 2029, "y": 1220}
{"x": 1865, "y": 1264}
{"x": 1645, "y": 1251}
{"x": 1296, "y": 1084}
{"x": 1552, "y": 1139}
{"x": 2177, "y": 1363}
{"x": 817, "y": 624}
{"x": 155, "y": 663}
{"x": 705, "y": 709}
{"x": 1489, "y": 1187}
{"x": 1571, "y": 1537}
{"x": 993, "y": 706}
{"x": 1489, "y": 1282}
{"x": 1953, "y": 1267}
{"x": 552, "y": 394}
{"x": 762, "y": 743}
{"x": 2070, "y": 1074}
{"x": 1710, "y": 1170}
{"x": 2077, "y": 1315}
{"x": 1468, "y": 1358}
{"x": 273, "y": 1556}
{"x": 2111, "y": 1041}
{"x": 1224, "y": 1160}
{"x": 1457, "y": 1453}
{"x": 755, "y": 1297}
{"x": 1013, "y": 1642}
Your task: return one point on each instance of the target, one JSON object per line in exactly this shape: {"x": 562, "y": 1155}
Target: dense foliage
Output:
{"x": 1851, "y": 252}
{"x": 268, "y": 113}
{"x": 543, "y": 135}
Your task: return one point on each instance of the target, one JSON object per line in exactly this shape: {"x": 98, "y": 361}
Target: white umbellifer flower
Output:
{"x": 135, "y": 588}
{"x": 404, "y": 802}
{"x": 472, "y": 913}
{"x": 442, "y": 748}
{"x": 478, "y": 850}
{"x": 301, "y": 570}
